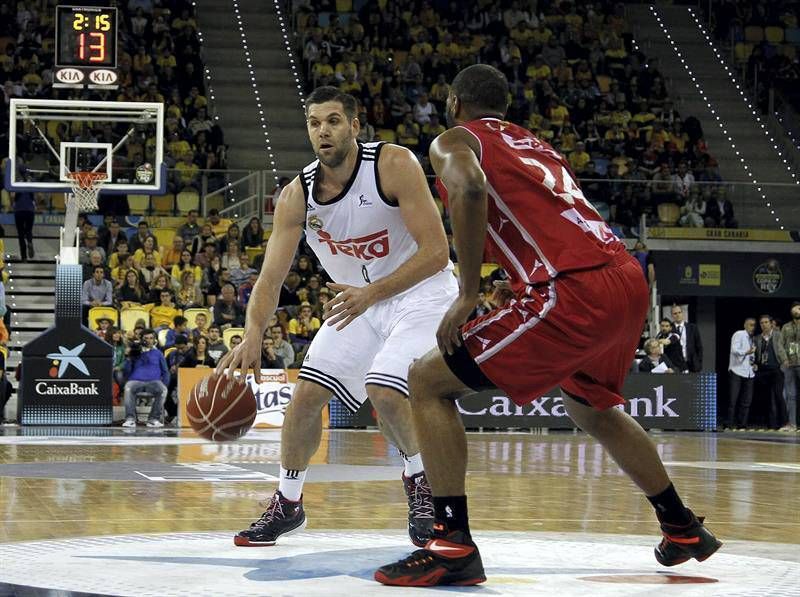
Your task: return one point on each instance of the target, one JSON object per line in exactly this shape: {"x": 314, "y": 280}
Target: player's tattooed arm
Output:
{"x": 454, "y": 157}
{"x": 287, "y": 229}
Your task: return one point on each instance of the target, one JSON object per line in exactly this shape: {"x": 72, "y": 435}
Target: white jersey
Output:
{"x": 358, "y": 236}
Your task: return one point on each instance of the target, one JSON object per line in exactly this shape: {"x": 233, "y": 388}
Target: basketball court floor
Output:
{"x": 102, "y": 512}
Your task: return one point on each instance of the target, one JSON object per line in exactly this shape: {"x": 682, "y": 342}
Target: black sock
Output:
{"x": 452, "y": 511}
{"x": 670, "y": 508}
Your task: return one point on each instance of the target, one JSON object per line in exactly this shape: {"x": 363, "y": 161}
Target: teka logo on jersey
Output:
{"x": 61, "y": 363}
{"x": 366, "y": 248}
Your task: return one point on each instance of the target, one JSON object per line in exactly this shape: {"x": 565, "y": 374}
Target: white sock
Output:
{"x": 291, "y": 484}
{"x": 413, "y": 464}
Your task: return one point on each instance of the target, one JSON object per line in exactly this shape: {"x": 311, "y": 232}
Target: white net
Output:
{"x": 85, "y": 188}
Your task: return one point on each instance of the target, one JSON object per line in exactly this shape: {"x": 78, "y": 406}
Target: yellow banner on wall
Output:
{"x": 743, "y": 234}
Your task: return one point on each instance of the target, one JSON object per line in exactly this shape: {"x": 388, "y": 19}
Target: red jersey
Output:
{"x": 540, "y": 224}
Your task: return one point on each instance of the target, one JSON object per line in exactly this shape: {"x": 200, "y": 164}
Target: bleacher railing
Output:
{"x": 763, "y": 205}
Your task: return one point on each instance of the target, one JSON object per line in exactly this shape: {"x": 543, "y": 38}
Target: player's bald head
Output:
{"x": 482, "y": 90}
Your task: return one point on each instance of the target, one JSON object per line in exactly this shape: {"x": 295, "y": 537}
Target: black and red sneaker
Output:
{"x": 682, "y": 543}
{"x": 282, "y": 517}
{"x": 451, "y": 559}
{"x": 420, "y": 508}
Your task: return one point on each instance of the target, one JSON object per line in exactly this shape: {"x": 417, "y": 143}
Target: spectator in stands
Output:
{"x": 188, "y": 295}
{"x": 367, "y": 131}
{"x": 103, "y": 324}
{"x": 482, "y": 307}
{"x": 219, "y": 226}
{"x": 118, "y": 273}
{"x": 109, "y": 236}
{"x": 303, "y": 328}
{"x": 241, "y": 272}
{"x": 190, "y": 228}
{"x": 693, "y": 211}
{"x": 151, "y": 270}
{"x": 199, "y": 355}
{"x": 179, "y": 327}
{"x": 136, "y": 242}
{"x": 246, "y": 289}
{"x": 172, "y": 255}
{"x": 148, "y": 248}
{"x": 691, "y": 344}
{"x": 288, "y": 296}
{"x": 185, "y": 265}
{"x": 230, "y": 258}
{"x": 253, "y": 234}
{"x": 204, "y": 258}
{"x": 423, "y": 110}
{"x": 790, "y": 339}
{"x": 305, "y": 269}
{"x": 89, "y": 246}
{"x": 663, "y": 189}
{"x": 146, "y": 372}
{"x": 205, "y": 237}
{"x": 655, "y": 361}
{"x": 216, "y": 347}
{"x": 163, "y": 314}
{"x": 130, "y": 293}
{"x": 270, "y": 360}
{"x": 95, "y": 260}
{"x": 282, "y": 348}
{"x": 96, "y": 292}
{"x": 227, "y": 311}
{"x": 5, "y": 389}
{"x": 672, "y": 345}
{"x": 769, "y": 358}
{"x": 24, "y": 214}
{"x": 159, "y": 283}
{"x": 719, "y": 212}
{"x": 117, "y": 258}
{"x": 175, "y": 360}
{"x": 408, "y": 132}
{"x": 232, "y": 238}
{"x": 741, "y": 374}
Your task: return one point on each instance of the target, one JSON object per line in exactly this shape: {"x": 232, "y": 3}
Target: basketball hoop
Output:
{"x": 85, "y": 188}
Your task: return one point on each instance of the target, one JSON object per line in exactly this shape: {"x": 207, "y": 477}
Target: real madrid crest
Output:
{"x": 315, "y": 223}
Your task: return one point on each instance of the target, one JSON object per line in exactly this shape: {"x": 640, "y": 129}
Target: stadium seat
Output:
{"x": 793, "y": 35}
{"x": 163, "y": 205}
{"x": 603, "y": 83}
{"x": 190, "y": 314}
{"x": 4, "y": 352}
{"x": 139, "y": 204}
{"x": 215, "y": 202}
{"x": 253, "y": 252}
{"x": 162, "y": 337}
{"x": 668, "y": 214}
{"x": 128, "y": 318}
{"x": 58, "y": 201}
{"x": 753, "y": 34}
{"x": 386, "y": 135}
{"x": 230, "y": 333}
{"x": 788, "y": 50}
{"x": 187, "y": 201}
{"x": 488, "y": 268}
{"x": 97, "y": 312}
{"x": 774, "y": 35}
{"x": 164, "y": 236}
{"x": 169, "y": 351}
{"x": 741, "y": 52}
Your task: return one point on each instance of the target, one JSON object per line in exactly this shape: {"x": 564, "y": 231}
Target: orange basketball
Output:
{"x": 221, "y": 409}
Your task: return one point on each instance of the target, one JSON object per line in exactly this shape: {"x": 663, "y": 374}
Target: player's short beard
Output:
{"x": 339, "y": 155}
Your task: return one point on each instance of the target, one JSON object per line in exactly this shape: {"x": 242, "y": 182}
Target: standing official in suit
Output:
{"x": 691, "y": 345}
{"x": 770, "y": 356}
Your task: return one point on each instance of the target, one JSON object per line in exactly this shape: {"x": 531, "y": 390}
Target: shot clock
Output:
{"x": 86, "y": 36}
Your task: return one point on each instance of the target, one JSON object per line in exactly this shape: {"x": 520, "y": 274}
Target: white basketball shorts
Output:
{"x": 379, "y": 346}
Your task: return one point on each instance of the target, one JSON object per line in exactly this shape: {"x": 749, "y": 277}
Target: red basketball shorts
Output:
{"x": 579, "y": 331}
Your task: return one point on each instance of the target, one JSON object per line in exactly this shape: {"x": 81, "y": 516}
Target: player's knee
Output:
{"x": 387, "y": 402}
{"x": 308, "y": 397}
{"x": 420, "y": 382}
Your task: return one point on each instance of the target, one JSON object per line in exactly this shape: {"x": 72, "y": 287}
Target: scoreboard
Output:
{"x": 86, "y": 46}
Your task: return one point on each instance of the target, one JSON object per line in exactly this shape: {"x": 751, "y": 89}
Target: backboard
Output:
{"x": 50, "y": 138}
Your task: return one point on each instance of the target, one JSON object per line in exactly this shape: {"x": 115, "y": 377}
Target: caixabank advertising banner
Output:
{"x": 671, "y": 402}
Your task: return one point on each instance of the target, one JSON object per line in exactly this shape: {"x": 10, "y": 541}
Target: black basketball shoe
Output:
{"x": 682, "y": 543}
{"x": 420, "y": 508}
{"x": 447, "y": 559}
{"x": 282, "y": 517}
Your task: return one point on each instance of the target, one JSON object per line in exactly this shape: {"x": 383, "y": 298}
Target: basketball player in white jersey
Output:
{"x": 368, "y": 214}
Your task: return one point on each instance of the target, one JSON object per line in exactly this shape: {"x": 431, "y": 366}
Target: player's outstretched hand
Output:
{"x": 448, "y": 336}
{"x": 349, "y": 303}
{"x": 246, "y": 355}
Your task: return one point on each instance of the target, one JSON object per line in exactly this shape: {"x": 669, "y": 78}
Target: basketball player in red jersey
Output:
{"x": 579, "y": 308}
